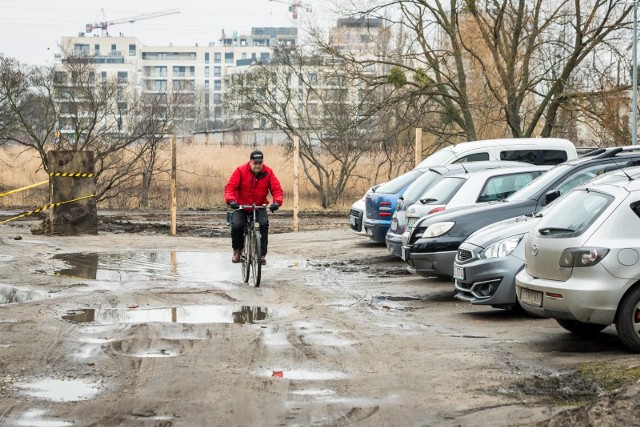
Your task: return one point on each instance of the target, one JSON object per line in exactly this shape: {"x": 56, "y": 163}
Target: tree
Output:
{"x": 70, "y": 108}
{"x": 323, "y": 102}
{"x": 493, "y": 67}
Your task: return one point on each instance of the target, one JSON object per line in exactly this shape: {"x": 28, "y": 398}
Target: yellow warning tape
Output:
{"x": 45, "y": 207}
{"x": 24, "y": 188}
{"x": 71, "y": 174}
{"x": 74, "y": 174}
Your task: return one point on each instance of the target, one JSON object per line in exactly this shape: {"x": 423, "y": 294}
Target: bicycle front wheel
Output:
{"x": 246, "y": 257}
{"x": 256, "y": 265}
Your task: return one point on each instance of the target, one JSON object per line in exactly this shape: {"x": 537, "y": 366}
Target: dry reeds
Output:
{"x": 202, "y": 173}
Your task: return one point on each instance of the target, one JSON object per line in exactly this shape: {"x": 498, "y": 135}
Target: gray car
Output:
{"x": 487, "y": 262}
{"x": 431, "y": 248}
{"x": 582, "y": 262}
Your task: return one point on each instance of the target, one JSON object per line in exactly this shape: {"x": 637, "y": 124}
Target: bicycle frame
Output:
{"x": 252, "y": 250}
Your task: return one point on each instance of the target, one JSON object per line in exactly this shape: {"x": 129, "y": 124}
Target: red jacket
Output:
{"x": 246, "y": 188}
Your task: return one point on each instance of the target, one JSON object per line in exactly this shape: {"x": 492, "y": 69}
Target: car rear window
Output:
{"x": 398, "y": 183}
{"x": 535, "y": 157}
{"x": 443, "y": 191}
{"x": 418, "y": 187}
{"x": 573, "y": 214}
{"x": 476, "y": 157}
{"x": 502, "y": 186}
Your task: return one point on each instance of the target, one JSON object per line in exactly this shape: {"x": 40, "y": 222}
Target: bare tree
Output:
{"x": 70, "y": 108}
{"x": 492, "y": 67}
{"x": 336, "y": 116}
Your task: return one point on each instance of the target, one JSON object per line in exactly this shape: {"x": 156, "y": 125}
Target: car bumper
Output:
{"x": 394, "y": 243}
{"x": 377, "y": 230}
{"x": 591, "y": 295}
{"x": 489, "y": 281}
{"x": 356, "y": 221}
{"x": 431, "y": 264}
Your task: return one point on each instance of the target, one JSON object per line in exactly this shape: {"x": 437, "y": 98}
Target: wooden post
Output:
{"x": 174, "y": 202}
{"x": 296, "y": 182}
{"x": 418, "y": 145}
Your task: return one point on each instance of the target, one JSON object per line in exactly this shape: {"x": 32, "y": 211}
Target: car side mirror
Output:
{"x": 551, "y": 196}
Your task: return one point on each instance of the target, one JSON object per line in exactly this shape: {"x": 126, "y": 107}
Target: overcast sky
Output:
{"x": 30, "y": 30}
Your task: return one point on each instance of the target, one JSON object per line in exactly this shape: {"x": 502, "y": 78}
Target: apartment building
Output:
{"x": 196, "y": 70}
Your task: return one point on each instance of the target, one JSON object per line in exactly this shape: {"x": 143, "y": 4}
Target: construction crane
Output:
{"x": 104, "y": 24}
{"x": 294, "y": 6}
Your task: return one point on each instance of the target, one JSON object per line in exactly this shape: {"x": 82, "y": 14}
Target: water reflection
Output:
{"x": 185, "y": 314}
{"x": 130, "y": 266}
{"x": 11, "y": 294}
{"x": 61, "y": 390}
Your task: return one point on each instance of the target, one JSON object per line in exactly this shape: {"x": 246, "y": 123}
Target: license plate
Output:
{"x": 458, "y": 272}
{"x": 352, "y": 220}
{"x": 411, "y": 222}
{"x": 404, "y": 253}
{"x": 531, "y": 297}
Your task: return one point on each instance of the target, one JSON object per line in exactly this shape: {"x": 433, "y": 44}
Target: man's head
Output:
{"x": 256, "y": 159}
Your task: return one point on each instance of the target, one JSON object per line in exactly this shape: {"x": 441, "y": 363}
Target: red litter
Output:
{"x": 278, "y": 374}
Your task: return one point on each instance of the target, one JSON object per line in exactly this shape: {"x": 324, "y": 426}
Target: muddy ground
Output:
{"x": 135, "y": 327}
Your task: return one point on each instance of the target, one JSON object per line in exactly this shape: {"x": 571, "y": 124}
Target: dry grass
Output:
{"x": 203, "y": 171}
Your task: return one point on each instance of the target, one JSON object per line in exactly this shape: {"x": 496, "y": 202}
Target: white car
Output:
{"x": 465, "y": 189}
{"x": 358, "y": 213}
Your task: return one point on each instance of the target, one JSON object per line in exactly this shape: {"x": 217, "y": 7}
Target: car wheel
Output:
{"x": 580, "y": 328}
{"x": 628, "y": 320}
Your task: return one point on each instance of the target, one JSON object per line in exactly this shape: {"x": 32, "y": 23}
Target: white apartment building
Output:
{"x": 198, "y": 69}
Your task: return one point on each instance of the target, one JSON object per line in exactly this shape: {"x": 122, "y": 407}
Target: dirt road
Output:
{"x": 134, "y": 327}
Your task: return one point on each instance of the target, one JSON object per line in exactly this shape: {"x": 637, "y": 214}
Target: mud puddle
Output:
{"x": 130, "y": 266}
{"x": 181, "y": 314}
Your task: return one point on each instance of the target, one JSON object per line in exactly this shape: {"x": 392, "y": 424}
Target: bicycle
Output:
{"x": 252, "y": 250}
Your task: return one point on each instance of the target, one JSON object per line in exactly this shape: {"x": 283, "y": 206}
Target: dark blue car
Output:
{"x": 381, "y": 204}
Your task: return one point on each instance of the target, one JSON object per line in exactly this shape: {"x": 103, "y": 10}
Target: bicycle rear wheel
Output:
{"x": 256, "y": 265}
{"x": 246, "y": 257}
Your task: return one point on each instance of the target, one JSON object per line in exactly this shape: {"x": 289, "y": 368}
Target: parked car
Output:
{"x": 487, "y": 262}
{"x": 431, "y": 247}
{"x": 380, "y": 205}
{"x": 538, "y": 151}
{"x": 357, "y": 214}
{"x": 421, "y": 185}
{"x": 471, "y": 188}
{"x": 582, "y": 262}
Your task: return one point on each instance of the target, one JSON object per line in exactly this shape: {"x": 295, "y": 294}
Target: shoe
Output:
{"x": 263, "y": 260}
{"x": 236, "y": 255}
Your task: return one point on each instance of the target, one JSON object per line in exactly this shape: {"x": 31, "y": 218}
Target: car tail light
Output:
{"x": 438, "y": 209}
{"x": 582, "y": 257}
{"x": 385, "y": 214}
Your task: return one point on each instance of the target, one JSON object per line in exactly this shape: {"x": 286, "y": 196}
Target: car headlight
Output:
{"x": 438, "y": 229}
{"x": 502, "y": 247}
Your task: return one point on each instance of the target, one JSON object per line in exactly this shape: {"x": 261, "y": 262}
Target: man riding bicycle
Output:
{"x": 250, "y": 184}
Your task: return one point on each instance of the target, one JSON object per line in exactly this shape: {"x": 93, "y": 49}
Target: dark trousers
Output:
{"x": 239, "y": 221}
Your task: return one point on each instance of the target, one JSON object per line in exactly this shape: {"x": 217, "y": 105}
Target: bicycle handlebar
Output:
{"x": 243, "y": 207}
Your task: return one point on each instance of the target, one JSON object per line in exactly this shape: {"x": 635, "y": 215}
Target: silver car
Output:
{"x": 487, "y": 262}
{"x": 582, "y": 262}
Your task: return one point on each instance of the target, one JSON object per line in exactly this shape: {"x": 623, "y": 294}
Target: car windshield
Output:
{"x": 573, "y": 214}
{"x": 443, "y": 191}
{"x": 438, "y": 158}
{"x": 528, "y": 191}
{"x": 417, "y": 188}
{"x": 399, "y": 183}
